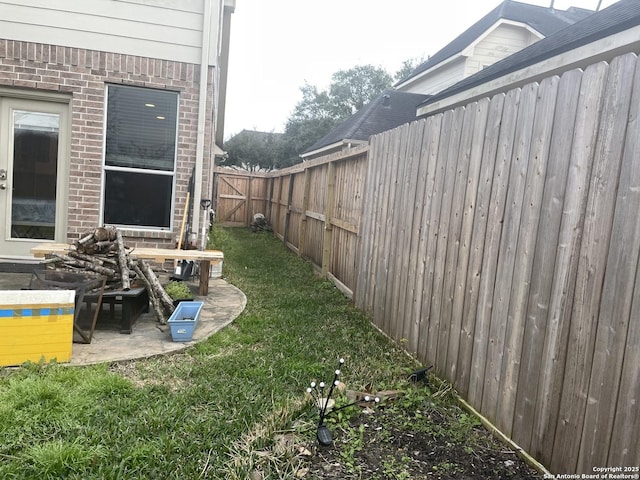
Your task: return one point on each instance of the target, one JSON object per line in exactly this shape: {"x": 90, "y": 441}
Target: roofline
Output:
{"x": 417, "y": 77}
{"x": 617, "y": 44}
{"x": 502, "y": 21}
{"x": 339, "y": 143}
{"x": 465, "y": 50}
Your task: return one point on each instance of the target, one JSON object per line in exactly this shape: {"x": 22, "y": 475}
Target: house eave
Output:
{"x": 581, "y": 57}
{"x": 429, "y": 71}
{"x": 331, "y": 146}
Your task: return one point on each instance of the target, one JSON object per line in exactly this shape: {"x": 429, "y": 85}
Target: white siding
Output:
{"x": 503, "y": 41}
{"x": 437, "y": 80}
{"x": 165, "y": 29}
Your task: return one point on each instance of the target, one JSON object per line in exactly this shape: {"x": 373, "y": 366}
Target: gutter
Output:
{"x": 202, "y": 112}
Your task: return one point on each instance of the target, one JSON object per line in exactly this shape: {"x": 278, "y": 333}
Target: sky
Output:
{"x": 278, "y": 45}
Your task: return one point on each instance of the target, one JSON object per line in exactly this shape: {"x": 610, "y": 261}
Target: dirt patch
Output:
{"x": 410, "y": 439}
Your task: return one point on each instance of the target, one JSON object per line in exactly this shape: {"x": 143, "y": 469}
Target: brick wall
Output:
{"x": 83, "y": 75}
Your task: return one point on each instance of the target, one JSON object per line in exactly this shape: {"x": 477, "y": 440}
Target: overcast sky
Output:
{"x": 276, "y": 46}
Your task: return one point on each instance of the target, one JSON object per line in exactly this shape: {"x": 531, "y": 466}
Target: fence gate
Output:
{"x": 238, "y": 196}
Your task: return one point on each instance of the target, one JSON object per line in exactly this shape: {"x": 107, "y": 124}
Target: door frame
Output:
{"x": 10, "y": 100}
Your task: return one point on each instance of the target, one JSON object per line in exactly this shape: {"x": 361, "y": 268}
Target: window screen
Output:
{"x": 140, "y": 155}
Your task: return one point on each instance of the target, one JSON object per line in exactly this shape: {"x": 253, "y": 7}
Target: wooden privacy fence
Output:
{"x": 501, "y": 242}
{"x": 314, "y": 207}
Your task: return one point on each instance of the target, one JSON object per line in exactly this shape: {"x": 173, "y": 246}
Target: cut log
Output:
{"x": 155, "y": 302}
{"x": 74, "y": 262}
{"x": 87, "y": 258}
{"x": 122, "y": 261}
{"x": 107, "y": 246}
{"x": 159, "y": 291}
{"x": 104, "y": 234}
{"x": 87, "y": 239}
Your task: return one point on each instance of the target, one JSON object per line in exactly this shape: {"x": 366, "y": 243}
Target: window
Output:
{"x": 140, "y": 156}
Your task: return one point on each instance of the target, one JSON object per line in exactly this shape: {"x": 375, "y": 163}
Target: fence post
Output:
{"x": 249, "y": 200}
{"x": 327, "y": 243}
{"x": 302, "y": 232}
{"x": 287, "y": 217}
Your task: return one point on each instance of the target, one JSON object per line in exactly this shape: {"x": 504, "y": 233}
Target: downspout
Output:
{"x": 202, "y": 112}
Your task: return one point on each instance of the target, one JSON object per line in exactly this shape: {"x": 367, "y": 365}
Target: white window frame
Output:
{"x": 106, "y": 168}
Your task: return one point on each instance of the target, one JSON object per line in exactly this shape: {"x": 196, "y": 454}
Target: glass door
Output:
{"x": 32, "y": 138}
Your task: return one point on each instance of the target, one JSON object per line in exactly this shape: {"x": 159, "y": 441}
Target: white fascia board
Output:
{"x": 341, "y": 143}
{"x": 468, "y": 51}
{"x": 429, "y": 71}
{"x": 581, "y": 57}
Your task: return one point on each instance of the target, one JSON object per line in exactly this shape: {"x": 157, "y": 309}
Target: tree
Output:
{"x": 407, "y": 67}
{"x": 252, "y": 150}
{"x": 320, "y": 111}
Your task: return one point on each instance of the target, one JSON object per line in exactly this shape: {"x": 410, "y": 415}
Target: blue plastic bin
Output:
{"x": 184, "y": 319}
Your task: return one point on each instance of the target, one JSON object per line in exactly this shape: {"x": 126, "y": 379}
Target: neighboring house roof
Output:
{"x": 616, "y": 19}
{"x": 256, "y": 135}
{"x": 390, "y": 109}
{"x": 543, "y": 20}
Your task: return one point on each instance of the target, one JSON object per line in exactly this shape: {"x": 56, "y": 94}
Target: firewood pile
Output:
{"x": 103, "y": 252}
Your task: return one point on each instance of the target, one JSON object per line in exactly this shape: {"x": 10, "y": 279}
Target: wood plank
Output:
{"x": 524, "y": 243}
{"x": 394, "y": 318}
{"x": 369, "y": 195}
{"x": 467, "y": 205}
{"x": 383, "y": 244}
{"x": 328, "y": 228}
{"x": 495, "y": 215}
{"x": 413, "y": 213}
{"x": 439, "y": 332}
{"x": 541, "y": 278}
{"x": 393, "y": 211}
{"x": 302, "y": 229}
{"x": 427, "y": 343}
{"x": 449, "y": 332}
{"x": 615, "y": 221}
{"x": 381, "y": 166}
{"x": 511, "y": 217}
{"x": 287, "y": 215}
{"x": 430, "y": 144}
{"x": 342, "y": 225}
{"x": 315, "y": 215}
{"x": 469, "y": 331}
{"x": 571, "y": 286}
{"x": 625, "y": 441}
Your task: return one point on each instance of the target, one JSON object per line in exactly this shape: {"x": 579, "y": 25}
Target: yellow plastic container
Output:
{"x": 36, "y": 325}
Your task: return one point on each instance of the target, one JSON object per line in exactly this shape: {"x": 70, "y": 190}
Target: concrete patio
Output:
{"x": 222, "y": 305}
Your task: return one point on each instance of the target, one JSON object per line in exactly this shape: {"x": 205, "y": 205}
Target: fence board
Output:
{"x": 370, "y": 197}
{"x": 525, "y": 242}
{"x": 413, "y": 209}
{"x": 478, "y": 233}
{"x": 488, "y": 268}
{"x": 626, "y": 425}
{"x": 625, "y": 441}
{"x": 591, "y": 262}
{"x": 400, "y": 230}
{"x": 430, "y": 145}
{"x": 449, "y": 333}
{"x": 565, "y": 270}
{"x": 493, "y": 393}
{"x": 428, "y": 339}
{"x": 617, "y": 225}
{"x": 438, "y": 330}
{"x": 383, "y": 259}
{"x": 541, "y": 277}
{"x": 391, "y": 235}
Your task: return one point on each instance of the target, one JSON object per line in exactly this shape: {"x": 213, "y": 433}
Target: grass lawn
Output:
{"x": 211, "y": 411}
